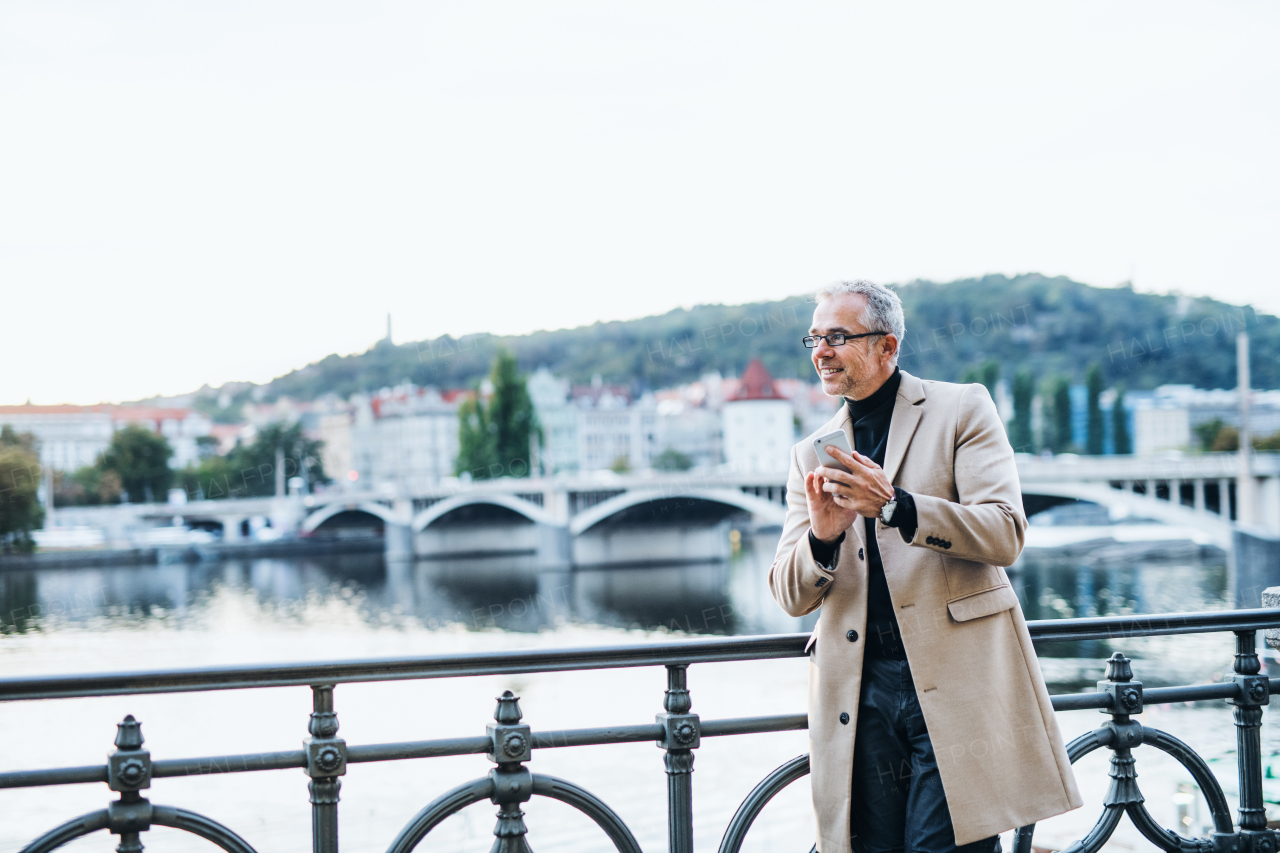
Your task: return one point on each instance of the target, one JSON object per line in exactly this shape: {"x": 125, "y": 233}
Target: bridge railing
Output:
{"x": 510, "y": 744}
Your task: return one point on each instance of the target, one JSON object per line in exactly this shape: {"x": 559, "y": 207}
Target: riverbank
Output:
{"x": 99, "y": 557}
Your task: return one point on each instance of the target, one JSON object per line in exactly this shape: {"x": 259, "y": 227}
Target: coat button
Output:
{"x": 860, "y": 554}
{"x": 928, "y": 540}
{"x": 852, "y": 636}
{"x": 844, "y": 719}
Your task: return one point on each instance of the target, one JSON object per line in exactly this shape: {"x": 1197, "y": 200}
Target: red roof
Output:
{"x": 147, "y": 413}
{"x": 756, "y": 384}
{"x": 63, "y": 409}
{"x": 118, "y": 413}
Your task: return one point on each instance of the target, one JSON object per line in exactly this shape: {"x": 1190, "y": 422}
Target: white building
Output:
{"x": 68, "y": 437}
{"x": 593, "y": 427}
{"x": 1167, "y": 418}
{"x": 598, "y": 426}
{"x": 558, "y": 419}
{"x": 690, "y": 428}
{"x": 812, "y": 406}
{"x": 402, "y": 439}
{"x": 334, "y": 419}
{"x": 759, "y": 424}
{"x": 1158, "y": 428}
{"x": 71, "y": 437}
{"x": 612, "y": 431}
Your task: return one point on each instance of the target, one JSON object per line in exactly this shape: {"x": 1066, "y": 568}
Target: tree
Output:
{"x": 1208, "y": 431}
{"x": 250, "y": 470}
{"x": 1057, "y": 421}
{"x": 141, "y": 459}
{"x": 1226, "y": 441}
{"x": 511, "y": 413}
{"x": 302, "y": 457}
{"x": 1020, "y": 436}
{"x": 672, "y": 460}
{"x": 987, "y": 373}
{"x": 90, "y": 485}
{"x": 25, "y": 441}
{"x": 1093, "y": 444}
{"x": 477, "y": 445}
{"x": 991, "y": 375}
{"x": 495, "y": 439}
{"x": 1120, "y": 424}
{"x": 20, "y": 509}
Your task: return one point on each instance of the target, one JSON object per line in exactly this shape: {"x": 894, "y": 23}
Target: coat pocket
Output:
{"x": 982, "y": 603}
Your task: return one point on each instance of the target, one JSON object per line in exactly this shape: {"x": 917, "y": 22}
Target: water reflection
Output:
{"x": 512, "y": 593}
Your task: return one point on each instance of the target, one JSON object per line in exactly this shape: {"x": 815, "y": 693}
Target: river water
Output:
{"x": 136, "y": 617}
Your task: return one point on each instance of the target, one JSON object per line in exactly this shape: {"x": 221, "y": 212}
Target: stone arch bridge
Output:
{"x": 611, "y": 519}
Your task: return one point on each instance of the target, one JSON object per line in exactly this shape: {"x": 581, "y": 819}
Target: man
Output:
{"x": 929, "y": 721}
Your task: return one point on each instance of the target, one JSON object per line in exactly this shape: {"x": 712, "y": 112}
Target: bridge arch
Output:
{"x": 1143, "y": 506}
{"x": 765, "y": 511}
{"x": 320, "y": 516}
{"x": 433, "y": 513}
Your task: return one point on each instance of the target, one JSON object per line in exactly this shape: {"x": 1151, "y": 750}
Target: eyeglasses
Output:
{"x": 837, "y": 340}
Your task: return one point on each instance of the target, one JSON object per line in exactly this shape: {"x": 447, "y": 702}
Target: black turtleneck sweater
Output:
{"x": 871, "y": 419}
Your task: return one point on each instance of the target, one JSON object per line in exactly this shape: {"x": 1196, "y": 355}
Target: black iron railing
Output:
{"x": 509, "y": 743}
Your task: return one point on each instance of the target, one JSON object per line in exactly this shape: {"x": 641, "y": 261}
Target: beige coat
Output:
{"x": 999, "y": 752}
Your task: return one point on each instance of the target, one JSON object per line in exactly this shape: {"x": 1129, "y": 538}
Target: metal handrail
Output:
{"x": 509, "y": 744}
{"x": 439, "y": 748}
{"x": 667, "y": 653}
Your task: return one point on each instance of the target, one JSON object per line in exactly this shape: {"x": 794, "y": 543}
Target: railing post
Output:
{"x": 1126, "y": 701}
{"x": 326, "y": 761}
{"x": 128, "y": 772}
{"x": 681, "y": 734}
{"x": 510, "y": 746}
{"x": 1254, "y": 693}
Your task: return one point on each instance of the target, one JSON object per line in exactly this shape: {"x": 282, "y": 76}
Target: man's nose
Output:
{"x": 823, "y": 349}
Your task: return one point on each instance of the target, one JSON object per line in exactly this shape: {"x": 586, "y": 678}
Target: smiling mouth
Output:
{"x": 829, "y": 371}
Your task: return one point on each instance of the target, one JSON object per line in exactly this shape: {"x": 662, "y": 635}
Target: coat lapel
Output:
{"x": 907, "y": 410}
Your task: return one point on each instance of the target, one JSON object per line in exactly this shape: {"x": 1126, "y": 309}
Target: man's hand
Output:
{"x": 827, "y": 519}
{"x": 863, "y": 490}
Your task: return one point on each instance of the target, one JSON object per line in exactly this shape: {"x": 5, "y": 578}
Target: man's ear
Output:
{"x": 889, "y": 345}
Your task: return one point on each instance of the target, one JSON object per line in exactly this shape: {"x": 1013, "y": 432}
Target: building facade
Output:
{"x": 1167, "y": 419}
{"x": 71, "y": 437}
{"x": 759, "y": 424}
{"x": 401, "y": 439}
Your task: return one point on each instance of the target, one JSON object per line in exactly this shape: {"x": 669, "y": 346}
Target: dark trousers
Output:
{"x": 898, "y": 803}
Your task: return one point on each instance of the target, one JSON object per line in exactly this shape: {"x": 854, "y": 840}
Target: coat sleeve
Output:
{"x": 986, "y": 524}
{"x": 797, "y": 582}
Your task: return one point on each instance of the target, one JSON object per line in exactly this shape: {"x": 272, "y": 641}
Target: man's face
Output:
{"x": 860, "y": 366}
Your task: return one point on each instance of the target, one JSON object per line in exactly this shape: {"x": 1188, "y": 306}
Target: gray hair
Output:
{"x": 883, "y": 311}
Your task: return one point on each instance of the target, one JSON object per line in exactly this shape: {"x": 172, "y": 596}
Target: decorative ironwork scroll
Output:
{"x": 509, "y": 743}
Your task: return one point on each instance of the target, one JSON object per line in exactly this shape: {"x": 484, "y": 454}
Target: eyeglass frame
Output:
{"x": 826, "y": 338}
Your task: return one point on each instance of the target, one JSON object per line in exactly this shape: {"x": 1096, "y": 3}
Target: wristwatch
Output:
{"x": 886, "y": 511}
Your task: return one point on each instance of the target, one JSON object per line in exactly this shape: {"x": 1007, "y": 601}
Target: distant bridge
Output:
{"x": 555, "y": 515}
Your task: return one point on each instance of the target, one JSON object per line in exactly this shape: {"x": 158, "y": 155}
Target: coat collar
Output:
{"x": 907, "y": 409}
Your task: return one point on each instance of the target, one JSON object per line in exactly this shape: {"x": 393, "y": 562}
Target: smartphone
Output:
{"x": 832, "y": 439}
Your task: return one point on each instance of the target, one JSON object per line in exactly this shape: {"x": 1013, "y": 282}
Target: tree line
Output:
{"x": 1047, "y": 326}
{"x": 1056, "y": 433}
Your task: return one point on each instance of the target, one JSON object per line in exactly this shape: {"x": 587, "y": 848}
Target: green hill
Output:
{"x": 1050, "y": 325}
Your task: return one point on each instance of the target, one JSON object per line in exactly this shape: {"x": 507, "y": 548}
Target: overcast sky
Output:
{"x": 201, "y": 192}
